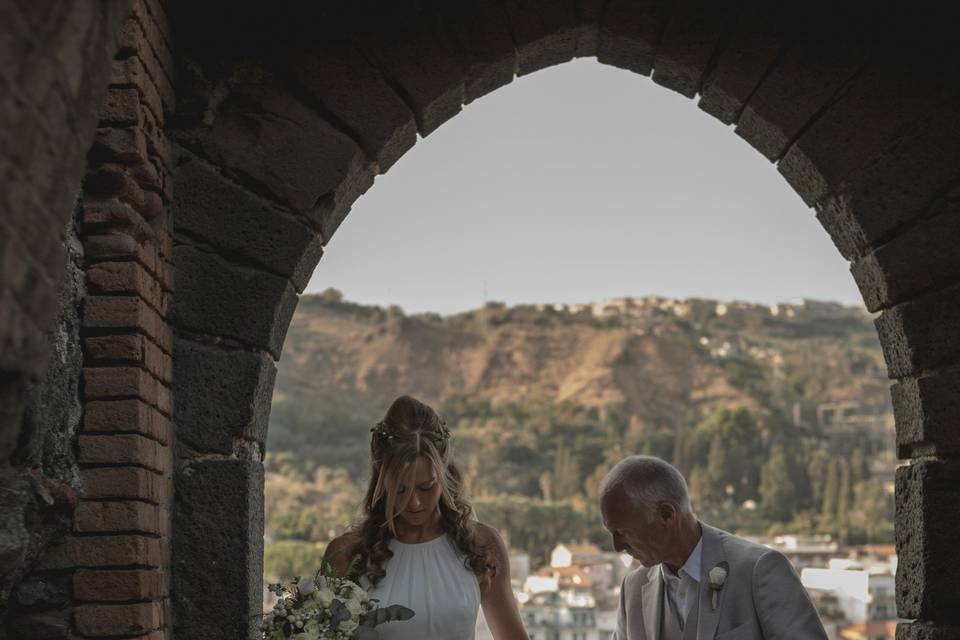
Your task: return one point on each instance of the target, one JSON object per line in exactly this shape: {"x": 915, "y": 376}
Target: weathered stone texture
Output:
{"x": 208, "y": 300}
{"x": 927, "y": 631}
{"x": 357, "y": 95}
{"x": 751, "y": 51}
{"x": 483, "y": 44}
{"x": 896, "y": 189}
{"x": 629, "y": 33}
{"x": 688, "y": 43}
{"x": 896, "y": 271}
{"x": 927, "y": 522}
{"x": 405, "y": 42}
{"x": 921, "y": 335}
{"x": 260, "y": 232}
{"x": 222, "y": 396}
{"x": 545, "y": 33}
{"x": 926, "y": 410}
{"x": 270, "y": 142}
{"x": 218, "y": 517}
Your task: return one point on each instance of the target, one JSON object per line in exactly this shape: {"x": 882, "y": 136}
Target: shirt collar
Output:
{"x": 692, "y": 566}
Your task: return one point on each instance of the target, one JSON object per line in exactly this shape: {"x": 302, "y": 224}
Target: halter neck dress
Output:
{"x": 430, "y": 578}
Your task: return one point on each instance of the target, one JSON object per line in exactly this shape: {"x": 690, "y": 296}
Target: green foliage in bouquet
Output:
{"x": 326, "y": 607}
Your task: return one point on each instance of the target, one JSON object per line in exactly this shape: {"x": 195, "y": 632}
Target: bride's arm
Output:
{"x": 499, "y": 605}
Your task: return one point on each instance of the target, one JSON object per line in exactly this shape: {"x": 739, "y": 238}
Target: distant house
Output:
{"x": 863, "y": 593}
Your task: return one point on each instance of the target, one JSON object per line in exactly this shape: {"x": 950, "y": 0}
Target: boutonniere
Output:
{"x": 716, "y": 577}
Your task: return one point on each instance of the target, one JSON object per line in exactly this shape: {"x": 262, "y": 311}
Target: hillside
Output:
{"x": 550, "y": 395}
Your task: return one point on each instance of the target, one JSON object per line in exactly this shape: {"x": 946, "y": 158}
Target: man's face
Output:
{"x": 648, "y": 541}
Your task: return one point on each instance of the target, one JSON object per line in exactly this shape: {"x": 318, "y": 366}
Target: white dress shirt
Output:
{"x": 683, "y": 587}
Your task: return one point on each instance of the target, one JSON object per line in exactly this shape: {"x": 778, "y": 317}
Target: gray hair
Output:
{"x": 647, "y": 480}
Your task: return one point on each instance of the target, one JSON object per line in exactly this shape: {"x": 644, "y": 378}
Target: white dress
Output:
{"x": 430, "y": 578}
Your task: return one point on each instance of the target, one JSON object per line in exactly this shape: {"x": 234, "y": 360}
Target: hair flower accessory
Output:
{"x": 716, "y": 577}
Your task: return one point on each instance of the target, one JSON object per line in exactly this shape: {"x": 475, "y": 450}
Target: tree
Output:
{"x": 778, "y": 493}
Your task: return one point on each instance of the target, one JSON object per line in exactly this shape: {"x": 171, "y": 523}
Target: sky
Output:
{"x": 574, "y": 184}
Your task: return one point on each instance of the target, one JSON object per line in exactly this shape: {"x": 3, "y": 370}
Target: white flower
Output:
{"x": 355, "y": 602}
{"x": 324, "y": 596}
{"x": 306, "y": 586}
{"x": 718, "y": 576}
{"x": 348, "y": 626}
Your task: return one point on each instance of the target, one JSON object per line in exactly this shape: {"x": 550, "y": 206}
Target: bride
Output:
{"x": 417, "y": 543}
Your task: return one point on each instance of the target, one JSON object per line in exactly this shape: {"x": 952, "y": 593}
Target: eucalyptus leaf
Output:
{"x": 386, "y": 614}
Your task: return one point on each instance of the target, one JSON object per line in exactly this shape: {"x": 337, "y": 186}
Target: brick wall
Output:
{"x": 113, "y": 567}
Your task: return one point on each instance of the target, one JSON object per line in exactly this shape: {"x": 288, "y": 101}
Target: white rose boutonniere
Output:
{"x": 716, "y": 577}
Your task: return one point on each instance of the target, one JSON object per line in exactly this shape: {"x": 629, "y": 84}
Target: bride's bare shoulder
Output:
{"x": 489, "y": 536}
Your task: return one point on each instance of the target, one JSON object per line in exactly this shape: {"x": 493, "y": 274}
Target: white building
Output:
{"x": 863, "y": 593}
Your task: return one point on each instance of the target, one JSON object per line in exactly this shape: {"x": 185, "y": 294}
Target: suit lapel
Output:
{"x": 651, "y": 596}
{"x": 708, "y": 617}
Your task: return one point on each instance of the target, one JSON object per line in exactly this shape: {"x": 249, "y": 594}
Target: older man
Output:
{"x": 696, "y": 582}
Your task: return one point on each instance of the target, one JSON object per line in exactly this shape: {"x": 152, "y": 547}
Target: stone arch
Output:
{"x": 856, "y": 116}
{"x": 284, "y": 118}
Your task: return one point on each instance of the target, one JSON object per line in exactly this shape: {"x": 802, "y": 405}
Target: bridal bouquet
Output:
{"x": 326, "y": 608}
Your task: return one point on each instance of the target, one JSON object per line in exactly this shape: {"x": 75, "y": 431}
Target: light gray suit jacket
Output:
{"x": 761, "y": 598}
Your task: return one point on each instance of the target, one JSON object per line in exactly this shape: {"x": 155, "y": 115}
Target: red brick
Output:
{"x": 125, "y": 277}
{"x": 126, "y": 145}
{"x": 104, "y": 217}
{"x": 112, "y": 182}
{"x": 105, "y": 551}
{"x": 132, "y": 483}
{"x": 130, "y": 72}
{"x": 125, "y": 449}
{"x": 121, "y": 107}
{"x": 127, "y": 416}
{"x": 126, "y": 348}
{"x": 109, "y": 585}
{"x": 127, "y": 312}
{"x": 120, "y": 312}
{"x": 116, "y": 619}
{"x": 116, "y": 517}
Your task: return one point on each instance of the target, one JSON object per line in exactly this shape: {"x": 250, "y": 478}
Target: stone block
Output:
{"x": 897, "y": 188}
{"x": 814, "y": 68}
{"x": 50, "y": 624}
{"x": 927, "y": 522}
{"x": 268, "y": 141}
{"x": 258, "y": 230}
{"x": 921, "y": 258}
{"x": 218, "y": 549}
{"x": 926, "y": 410}
{"x": 752, "y": 50}
{"x": 927, "y": 631}
{"x": 688, "y": 43}
{"x": 221, "y": 395}
{"x": 42, "y": 591}
{"x": 405, "y": 43}
{"x": 883, "y": 101}
{"x": 216, "y": 297}
{"x": 588, "y": 21}
{"x": 483, "y": 44}
{"x": 920, "y": 335}
{"x": 545, "y": 33}
{"x": 357, "y": 95}
{"x": 630, "y": 31}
